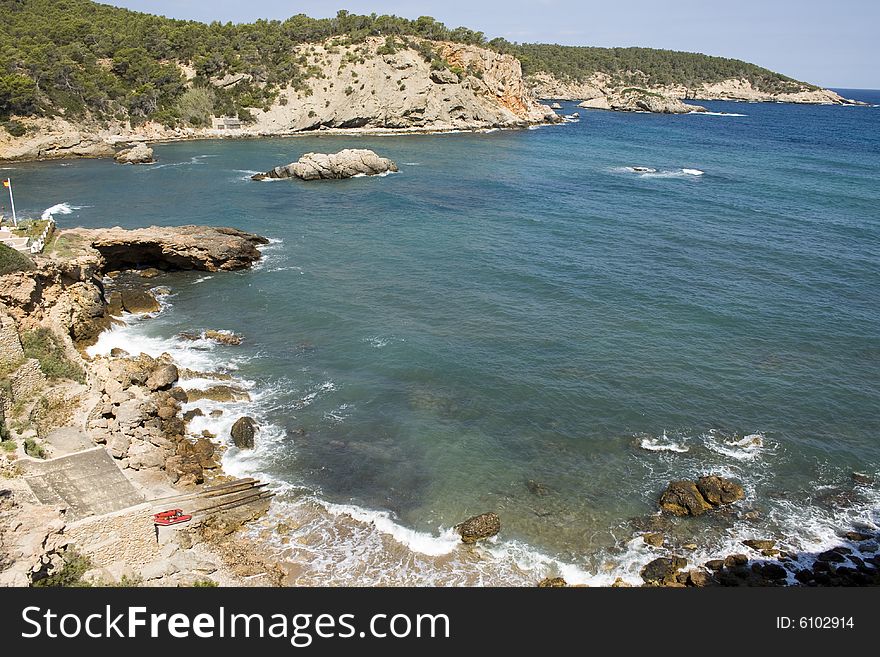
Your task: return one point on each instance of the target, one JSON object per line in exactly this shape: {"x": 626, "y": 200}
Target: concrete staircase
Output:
{"x": 11, "y": 240}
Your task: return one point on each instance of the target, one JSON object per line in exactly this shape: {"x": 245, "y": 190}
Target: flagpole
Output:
{"x": 12, "y": 202}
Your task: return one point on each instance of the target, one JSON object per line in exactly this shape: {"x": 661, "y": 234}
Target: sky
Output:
{"x": 832, "y": 43}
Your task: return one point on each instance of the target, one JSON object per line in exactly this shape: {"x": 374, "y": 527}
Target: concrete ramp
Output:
{"x": 87, "y": 483}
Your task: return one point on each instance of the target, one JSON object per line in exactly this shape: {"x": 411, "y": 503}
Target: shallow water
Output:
{"x": 520, "y": 306}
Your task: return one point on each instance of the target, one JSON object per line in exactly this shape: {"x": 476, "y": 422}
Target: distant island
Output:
{"x": 81, "y": 79}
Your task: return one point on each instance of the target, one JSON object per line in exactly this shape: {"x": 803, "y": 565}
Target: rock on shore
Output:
{"x": 479, "y": 527}
{"x": 204, "y": 248}
{"x": 138, "y": 154}
{"x": 347, "y": 163}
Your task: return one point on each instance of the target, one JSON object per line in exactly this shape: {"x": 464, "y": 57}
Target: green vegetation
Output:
{"x": 75, "y": 566}
{"x": 7, "y": 444}
{"x": 34, "y": 449}
{"x": 641, "y": 66}
{"x": 204, "y": 584}
{"x": 15, "y": 128}
{"x": 45, "y": 346}
{"x": 83, "y": 59}
{"x": 12, "y": 261}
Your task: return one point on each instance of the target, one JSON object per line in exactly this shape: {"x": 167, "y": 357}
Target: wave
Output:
{"x": 716, "y": 114}
{"x": 375, "y": 175}
{"x": 746, "y": 448}
{"x": 650, "y": 172}
{"x": 663, "y": 444}
{"x": 59, "y": 208}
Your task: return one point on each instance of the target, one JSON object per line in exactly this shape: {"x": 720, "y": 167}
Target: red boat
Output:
{"x": 171, "y": 517}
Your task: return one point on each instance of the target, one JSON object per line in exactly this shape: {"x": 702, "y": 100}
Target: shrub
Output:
{"x": 13, "y": 261}
{"x": 8, "y": 445}
{"x": 75, "y": 566}
{"x": 204, "y": 584}
{"x": 45, "y": 346}
{"x": 34, "y": 449}
{"x": 15, "y": 128}
{"x": 349, "y": 91}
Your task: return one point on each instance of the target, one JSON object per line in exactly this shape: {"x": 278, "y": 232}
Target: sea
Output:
{"x": 550, "y": 324}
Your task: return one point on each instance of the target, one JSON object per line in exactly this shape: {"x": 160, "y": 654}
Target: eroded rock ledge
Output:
{"x": 204, "y": 248}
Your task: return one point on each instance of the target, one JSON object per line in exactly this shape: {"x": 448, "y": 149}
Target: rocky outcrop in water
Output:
{"x": 347, "y": 163}
{"x": 689, "y": 498}
{"x": 641, "y": 101}
{"x": 479, "y": 527}
{"x": 243, "y": 433}
{"x": 204, "y": 248}
{"x": 140, "y": 153}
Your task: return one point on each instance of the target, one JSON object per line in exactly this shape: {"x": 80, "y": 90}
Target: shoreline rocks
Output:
{"x": 243, "y": 432}
{"x": 347, "y": 163}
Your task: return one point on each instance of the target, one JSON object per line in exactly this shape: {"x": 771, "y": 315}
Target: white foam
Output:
{"x": 746, "y": 448}
{"x": 375, "y": 175}
{"x": 716, "y": 114}
{"x": 693, "y": 172}
{"x": 663, "y": 444}
{"x": 59, "y": 208}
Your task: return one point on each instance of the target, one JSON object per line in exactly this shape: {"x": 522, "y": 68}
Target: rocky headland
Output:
{"x": 602, "y": 91}
{"x": 348, "y": 163}
{"x": 92, "y": 446}
{"x": 358, "y": 87}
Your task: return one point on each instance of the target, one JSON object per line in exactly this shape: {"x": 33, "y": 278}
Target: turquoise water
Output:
{"x": 518, "y": 306}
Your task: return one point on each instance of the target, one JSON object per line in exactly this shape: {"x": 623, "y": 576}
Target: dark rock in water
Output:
{"x": 700, "y": 578}
{"x": 179, "y": 394}
{"x": 189, "y": 415}
{"x": 715, "y": 564}
{"x": 735, "y": 560}
{"x": 831, "y": 556}
{"x": 663, "y": 571}
{"x": 139, "y": 301}
{"x": 758, "y": 544}
{"x": 682, "y": 498}
{"x": 718, "y": 490}
{"x": 552, "y": 583}
{"x": 117, "y": 352}
{"x": 149, "y": 273}
{"x": 656, "y": 539}
{"x": 479, "y": 527}
{"x": 770, "y": 571}
{"x": 688, "y": 498}
{"x": 243, "y": 432}
{"x": 537, "y": 488}
{"x": 862, "y": 479}
{"x": 857, "y": 537}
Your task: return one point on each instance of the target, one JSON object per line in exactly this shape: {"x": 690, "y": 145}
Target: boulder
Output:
{"x": 139, "y": 301}
{"x": 689, "y": 498}
{"x": 479, "y": 527}
{"x": 243, "y": 432}
{"x": 759, "y": 544}
{"x": 663, "y": 570}
{"x": 163, "y": 378}
{"x": 321, "y": 166}
{"x": 718, "y": 490}
{"x": 218, "y": 394}
{"x": 118, "y": 446}
{"x": 682, "y": 498}
{"x": 655, "y": 539}
{"x": 138, "y": 154}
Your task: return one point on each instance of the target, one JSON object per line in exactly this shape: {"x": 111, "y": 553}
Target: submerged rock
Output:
{"x": 321, "y": 166}
{"x": 479, "y": 527}
{"x": 139, "y": 301}
{"x": 243, "y": 432}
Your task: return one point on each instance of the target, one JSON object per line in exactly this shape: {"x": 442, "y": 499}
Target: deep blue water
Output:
{"x": 519, "y": 306}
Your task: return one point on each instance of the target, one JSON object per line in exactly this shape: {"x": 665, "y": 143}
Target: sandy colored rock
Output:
{"x": 140, "y": 153}
{"x": 347, "y": 163}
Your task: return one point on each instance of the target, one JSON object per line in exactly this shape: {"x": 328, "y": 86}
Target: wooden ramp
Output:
{"x": 223, "y": 497}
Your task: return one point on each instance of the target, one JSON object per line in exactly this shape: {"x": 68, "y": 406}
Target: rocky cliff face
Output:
{"x": 601, "y": 92}
{"x": 363, "y": 88}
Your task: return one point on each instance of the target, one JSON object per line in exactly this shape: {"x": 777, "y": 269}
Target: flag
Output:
{"x": 6, "y": 183}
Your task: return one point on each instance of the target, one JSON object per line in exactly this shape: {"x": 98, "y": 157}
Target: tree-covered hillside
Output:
{"x": 79, "y": 58}
{"x": 642, "y": 65}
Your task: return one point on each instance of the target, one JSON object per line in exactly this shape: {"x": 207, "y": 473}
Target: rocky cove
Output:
{"x": 129, "y": 407}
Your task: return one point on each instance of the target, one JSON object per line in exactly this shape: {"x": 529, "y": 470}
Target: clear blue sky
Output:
{"x": 829, "y": 42}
